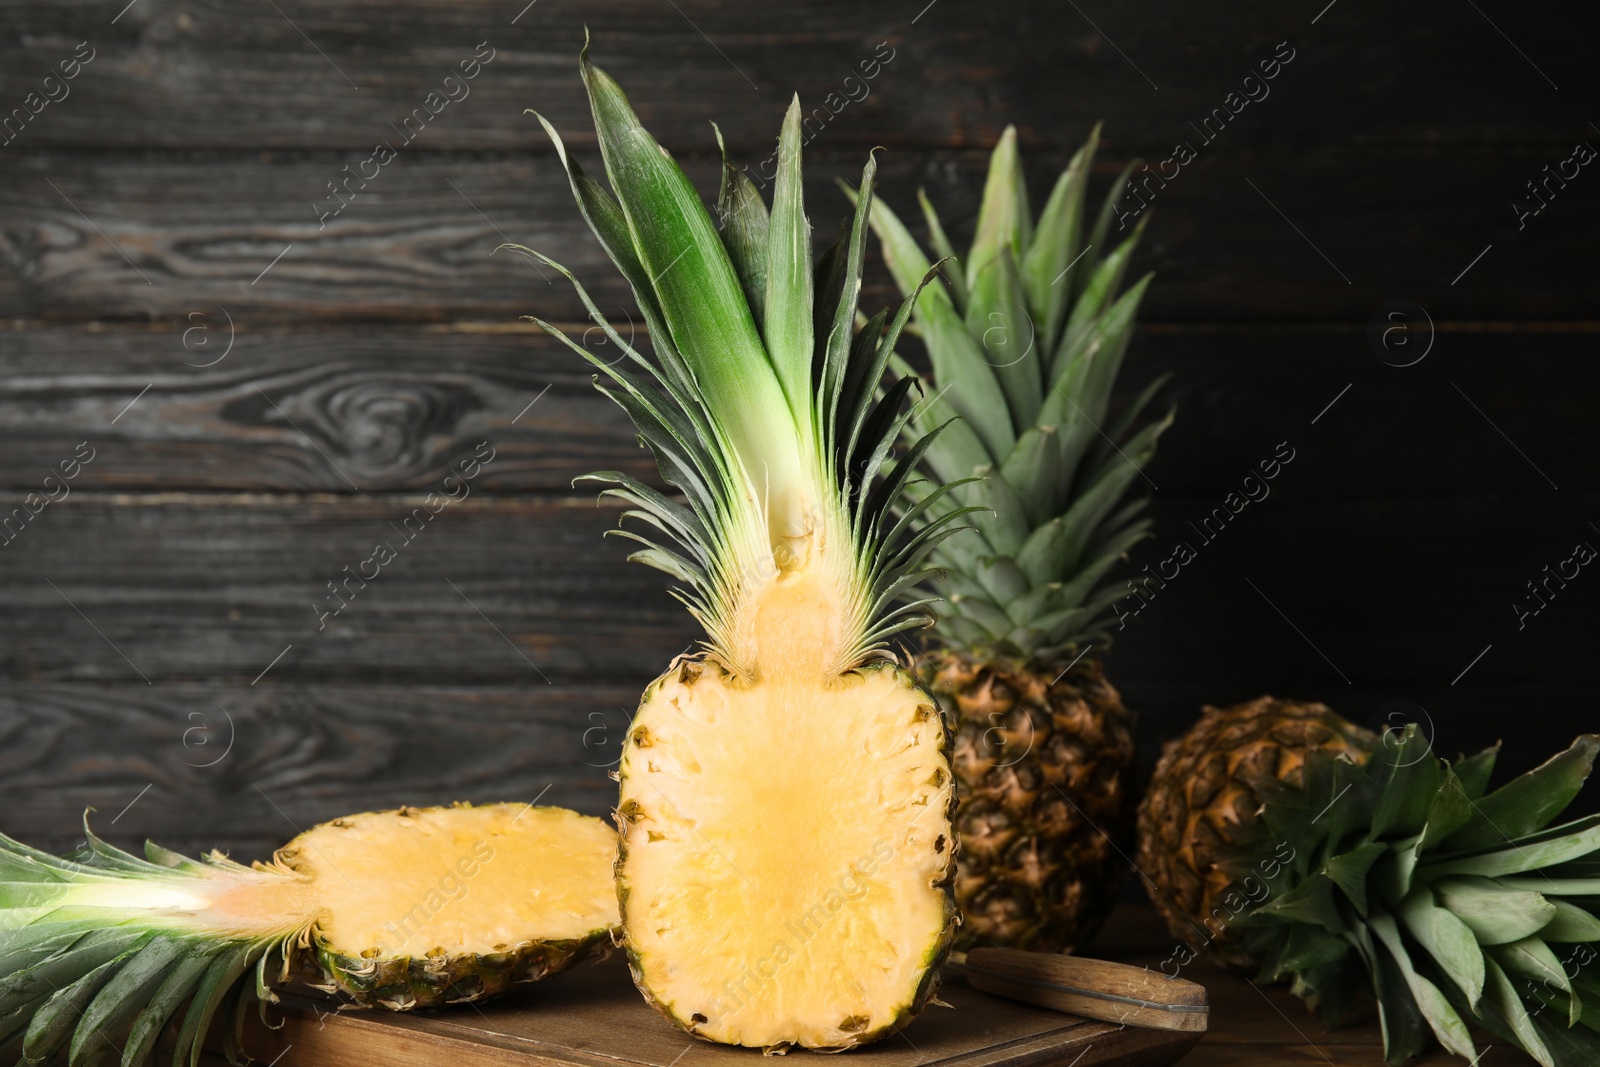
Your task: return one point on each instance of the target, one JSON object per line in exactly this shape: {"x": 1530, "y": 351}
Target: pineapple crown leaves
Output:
{"x": 1449, "y": 902}
{"x": 762, "y": 404}
{"x": 96, "y": 954}
{"x": 1025, "y": 337}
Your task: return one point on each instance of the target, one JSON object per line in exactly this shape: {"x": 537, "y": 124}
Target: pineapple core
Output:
{"x": 414, "y": 882}
{"x": 786, "y": 838}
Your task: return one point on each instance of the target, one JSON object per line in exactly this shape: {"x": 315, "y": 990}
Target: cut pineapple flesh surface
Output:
{"x": 463, "y": 880}
{"x": 786, "y": 849}
{"x": 398, "y": 909}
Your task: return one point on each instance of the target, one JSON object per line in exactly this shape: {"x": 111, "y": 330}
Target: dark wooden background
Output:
{"x": 163, "y": 611}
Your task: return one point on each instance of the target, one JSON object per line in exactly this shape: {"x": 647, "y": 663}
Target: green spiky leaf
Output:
{"x": 1043, "y": 329}
{"x": 1529, "y": 802}
{"x": 1447, "y": 929}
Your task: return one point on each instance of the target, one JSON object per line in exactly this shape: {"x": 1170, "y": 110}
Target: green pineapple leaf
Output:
{"x": 1500, "y": 993}
{"x": 997, "y": 318}
{"x": 743, "y": 217}
{"x": 1496, "y": 915}
{"x": 950, "y": 269}
{"x": 1405, "y": 1030}
{"x": 788, "y": 330}
{"x": 1448, "y": 1027}
{"x": 959, "y": 366}
{"x": 1447, "y": 939}
{"x": 1474, "y": 771}
{"x": 1098, "y": 291}
{"x": 1003, "y": 219}
{"x": 1450, "y": 809}
{"x": 1556, "y": 845}
{"x": 1527, "y": 803}
{"x": 1410, "y": 777}
{"x": 1571, "y": 924}
{"x": 1056, "y": 255}
{"x": 1101, "y": 233}
{"x": 1349, "y": 872}
{"x": 1025, "y": 336}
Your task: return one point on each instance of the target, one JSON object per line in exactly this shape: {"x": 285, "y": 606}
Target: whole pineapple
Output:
{"x": 1205, "y": 788}
{"x": 1025, "y": 336}
{"x": 1349, "y": 864}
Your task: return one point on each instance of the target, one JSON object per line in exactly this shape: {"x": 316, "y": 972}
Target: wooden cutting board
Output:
{"x": 594, "y": 1017}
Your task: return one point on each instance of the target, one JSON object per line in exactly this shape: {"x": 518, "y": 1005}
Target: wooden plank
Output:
{"x": 1092, "y": 988}
{"x": 210, "y": 73}
{"x": 511, "y": 591}
{"x": 380, "y": 408}
{"x": 416, "y": 244}
{"x": 201, "y": 765}
{"x": 593, "y": 1016}
{"x": 396, "y": 407}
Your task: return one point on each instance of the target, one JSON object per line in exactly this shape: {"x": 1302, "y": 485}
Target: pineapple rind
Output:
{"x": 401, "y": 984}
{"x": 1045, "y": 806}
{"x": 1206, "y": 786}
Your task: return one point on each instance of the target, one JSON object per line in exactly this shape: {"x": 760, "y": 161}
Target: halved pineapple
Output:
{"x": 397, "y": 909}
{"x": 787, "y": 854}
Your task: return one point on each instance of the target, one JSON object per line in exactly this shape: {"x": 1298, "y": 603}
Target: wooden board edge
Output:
{"x": 361, "y": 1037}
{"x": 395, "y": 1037}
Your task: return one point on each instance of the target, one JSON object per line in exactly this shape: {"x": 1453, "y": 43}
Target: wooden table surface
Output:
{"x": 1267, "y": 1026}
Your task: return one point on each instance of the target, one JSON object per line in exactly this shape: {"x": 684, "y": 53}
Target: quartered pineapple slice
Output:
{"x": 400, "y": 909}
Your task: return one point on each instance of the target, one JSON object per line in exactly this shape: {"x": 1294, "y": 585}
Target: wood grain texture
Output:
{"x": 593, "y": 1017}
{"x": 333, "y": 410}
{"x": 215, "y": 588}
{"x": 1092, "y": 988}
{"x": 396, "y": 407}
{"x": 129, "y": 237}
{"x": 212, "y": 73}
{"x": 201, "y": 765}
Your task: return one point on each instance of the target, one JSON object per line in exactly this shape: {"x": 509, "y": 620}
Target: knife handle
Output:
{"x": 1093, "y": 989}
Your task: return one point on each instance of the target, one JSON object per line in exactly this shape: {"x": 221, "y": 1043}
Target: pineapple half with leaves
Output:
{"x": 1348, "y": 863}
{"x": 786, "y": 851}
{"x": 1026, "y": 335}
{"x": 101, "y": 950}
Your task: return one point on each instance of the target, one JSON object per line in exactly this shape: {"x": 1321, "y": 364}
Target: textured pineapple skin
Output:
{"x": 686, "y": 669}
{"x": 437, "y": 980}
{"x": 1202, "y": 794}
{"x": 1044, "y": 767}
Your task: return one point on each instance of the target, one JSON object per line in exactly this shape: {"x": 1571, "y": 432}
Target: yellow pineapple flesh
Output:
{"x": 786, "y": 843}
